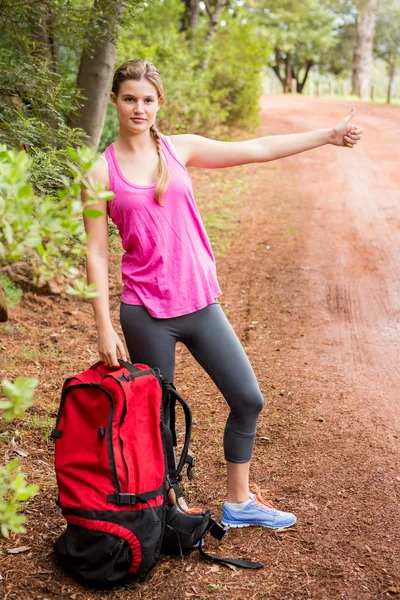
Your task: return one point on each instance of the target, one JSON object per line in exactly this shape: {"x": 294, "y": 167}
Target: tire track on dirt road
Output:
{"x": 353, "y": 243}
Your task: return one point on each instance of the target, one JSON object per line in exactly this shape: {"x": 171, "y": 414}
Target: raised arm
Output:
{"x": 97, "y": 272}
{"x": 198, "y": 151}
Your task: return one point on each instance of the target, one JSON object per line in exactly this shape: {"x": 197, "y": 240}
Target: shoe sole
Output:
{"x": 240, "y": 526}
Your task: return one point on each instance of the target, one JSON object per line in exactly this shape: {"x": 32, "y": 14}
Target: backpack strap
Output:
{"x": 134, "y": 498}
{"x": 173, "y": 479}
{"x": 170, "y": 398}
{"x": 236, "y": 562}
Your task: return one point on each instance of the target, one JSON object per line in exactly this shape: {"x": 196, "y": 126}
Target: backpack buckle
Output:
{"x": 217, "y": 530}
{"x": 191, "y": 461}
{"x": 122, "y": 498}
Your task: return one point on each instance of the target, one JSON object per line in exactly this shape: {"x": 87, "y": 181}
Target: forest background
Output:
{"x": 56, "y": 64}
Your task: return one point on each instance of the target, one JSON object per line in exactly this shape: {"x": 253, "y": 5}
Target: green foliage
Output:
{"x": 18, "y": 397}
{"x": 13, "y": 292}
{"x": 236, "y": 65}
{"x": 13, "y": 491}
{"x": 37, "y": 91}
{"x": 198, "y": 100}
{"x": 300, "y": 32}
{"x": 47, "y": 231}
{"x": 13, "y": 488}
{"x": 387, "y": 33}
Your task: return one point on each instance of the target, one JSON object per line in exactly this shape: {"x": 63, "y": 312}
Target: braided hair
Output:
{"x": 142, "y": 69}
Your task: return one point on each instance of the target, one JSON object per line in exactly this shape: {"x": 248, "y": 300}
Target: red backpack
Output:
{"x": 113, "y": 451}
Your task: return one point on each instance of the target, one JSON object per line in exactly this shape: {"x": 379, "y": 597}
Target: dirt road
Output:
{"x": 311, "y": 284}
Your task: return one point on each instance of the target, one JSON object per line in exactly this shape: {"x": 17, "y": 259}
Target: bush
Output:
{"x": 46, "y": 231}
{"x": 198, "y": 100}
{"x": 13, "y": 292}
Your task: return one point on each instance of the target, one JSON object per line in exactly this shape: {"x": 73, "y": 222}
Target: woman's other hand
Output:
{"x": 345, "y": 133}
{"x": 109, "y": 344}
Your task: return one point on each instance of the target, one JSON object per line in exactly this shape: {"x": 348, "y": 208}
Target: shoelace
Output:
{"x": 260, "y": 500}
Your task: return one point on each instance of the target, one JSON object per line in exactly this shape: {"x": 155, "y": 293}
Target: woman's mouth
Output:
{"x": 137, "y": 119}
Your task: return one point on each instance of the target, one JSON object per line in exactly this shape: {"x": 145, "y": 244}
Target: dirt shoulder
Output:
{"x": 309, "y": 273}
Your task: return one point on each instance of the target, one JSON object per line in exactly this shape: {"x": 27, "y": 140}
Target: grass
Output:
{"x": 43, "y": 424}
{"x": 220, "y": 217}
{"x": 12, "y": 291}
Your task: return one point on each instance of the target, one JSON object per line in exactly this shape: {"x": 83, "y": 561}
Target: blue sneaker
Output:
{"x": 257, "y": 512}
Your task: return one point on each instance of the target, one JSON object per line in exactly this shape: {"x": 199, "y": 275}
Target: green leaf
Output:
{"x": 73, "y": 154}
{"x": 93, "y": 213}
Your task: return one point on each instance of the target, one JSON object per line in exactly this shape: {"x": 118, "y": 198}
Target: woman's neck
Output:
{"x": 139, "y": 143}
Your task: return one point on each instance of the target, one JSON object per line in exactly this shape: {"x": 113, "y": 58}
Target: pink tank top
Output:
{"x": 168, "y": 265}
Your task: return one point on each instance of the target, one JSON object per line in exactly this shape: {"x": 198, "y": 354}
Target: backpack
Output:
{"x": 115, "y": 461}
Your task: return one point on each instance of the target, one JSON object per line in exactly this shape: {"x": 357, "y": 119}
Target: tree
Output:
{"x": 363, "y": 46}
{"x": 300, "y": 33}
{"x": 214, "y": 12}
{"x": 190, "y": 17}
{"x": 3, "y": 305}
{"x": 387, "y": 39}
{"x": 96, "y": 69}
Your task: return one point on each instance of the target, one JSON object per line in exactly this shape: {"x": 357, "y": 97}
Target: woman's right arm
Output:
{"x": 97, "y": 272}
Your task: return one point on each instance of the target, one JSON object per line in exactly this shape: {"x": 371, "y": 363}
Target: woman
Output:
{"x": 170, "y": 289}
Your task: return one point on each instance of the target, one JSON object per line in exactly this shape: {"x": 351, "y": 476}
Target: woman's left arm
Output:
{"x": 198, "y": 151}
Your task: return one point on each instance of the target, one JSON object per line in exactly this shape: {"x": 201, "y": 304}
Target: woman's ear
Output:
{"x": 160, "y": 102}
{"x": 113, "y": 99}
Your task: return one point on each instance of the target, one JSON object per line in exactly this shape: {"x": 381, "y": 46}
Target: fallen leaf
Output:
{"x": 214, "y": 569}
{"x": 18, "y": 550}
{"x": 394, "y": 590}
{"x": 22, "y": 453}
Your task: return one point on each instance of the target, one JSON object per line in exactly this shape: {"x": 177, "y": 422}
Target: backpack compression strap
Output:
{"x": 169, "y": 402}
{"x": 236, "y": 562}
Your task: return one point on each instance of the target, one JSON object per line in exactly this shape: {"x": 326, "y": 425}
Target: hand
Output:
{"x": 108, "y": 344}
{"x": 346, "y": 134}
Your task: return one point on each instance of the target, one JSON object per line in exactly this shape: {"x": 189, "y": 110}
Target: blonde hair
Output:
{"x": 141, "y": 69}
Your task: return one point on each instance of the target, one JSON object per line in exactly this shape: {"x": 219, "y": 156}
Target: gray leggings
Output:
{"x": 210, "y": 338}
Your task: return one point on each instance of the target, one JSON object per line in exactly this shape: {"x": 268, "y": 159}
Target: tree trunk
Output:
{"x": 392, "y": 72}
{"x": 96, "y": 72}
{"x": 301, "y": 84}
{"x": 214, "y": 16}
{"x": 3, "y": 306}
{"x": 191, "y": 16}
{"x": 362, "y": 57}
{"x": 287, "y": 86}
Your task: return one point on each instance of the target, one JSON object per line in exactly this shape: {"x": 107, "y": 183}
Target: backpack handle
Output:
{"x": 131, "y": 368}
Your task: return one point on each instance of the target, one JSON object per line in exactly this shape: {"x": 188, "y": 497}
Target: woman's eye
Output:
{"x": 148, "y": 100}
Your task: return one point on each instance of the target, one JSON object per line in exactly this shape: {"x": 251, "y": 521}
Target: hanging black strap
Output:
{"x": 171, "y": 461}
{"x": 174, "y": 396}
{"x": 134, "y": 498}
{"x": 236, "y": 562}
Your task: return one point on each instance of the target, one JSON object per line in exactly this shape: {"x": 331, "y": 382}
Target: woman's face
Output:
{"x": 137, "y": 104}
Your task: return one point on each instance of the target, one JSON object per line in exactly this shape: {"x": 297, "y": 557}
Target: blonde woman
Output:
{"x": 170, "y": 287}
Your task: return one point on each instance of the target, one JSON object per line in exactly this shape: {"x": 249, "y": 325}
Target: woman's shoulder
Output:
{"x": 99, "y": 170}
{"x": 182, "y": 144}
